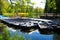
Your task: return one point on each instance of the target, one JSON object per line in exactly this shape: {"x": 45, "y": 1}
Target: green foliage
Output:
{"x": 5, "y": 34}
{"x": 18, "y": 37}
{"x": 9, "y": 14}
{"x": 38, "y": 12}
{"x": 50, "y": 6}
{"x": 1, "y": 6}
{"x": 20, "y": 7}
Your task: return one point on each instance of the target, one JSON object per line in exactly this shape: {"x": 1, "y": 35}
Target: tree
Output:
{"x": 1, "y": 6}
{"x": 58, "y": 6}
{"x": 50, "y": 6}
{"x": 38, "y": 11}
{"x": 4, "y": 6}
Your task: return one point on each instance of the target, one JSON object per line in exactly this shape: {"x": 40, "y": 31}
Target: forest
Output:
{"x": 23, "y": 7}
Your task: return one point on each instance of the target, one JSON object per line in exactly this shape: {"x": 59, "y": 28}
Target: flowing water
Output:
{"x": 35, "y": 35}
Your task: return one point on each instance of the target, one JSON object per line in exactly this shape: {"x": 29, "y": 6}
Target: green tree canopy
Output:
{"x": 50, "y": 6}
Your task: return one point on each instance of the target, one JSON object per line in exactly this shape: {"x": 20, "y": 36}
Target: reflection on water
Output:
{"x": 34, "y": 35}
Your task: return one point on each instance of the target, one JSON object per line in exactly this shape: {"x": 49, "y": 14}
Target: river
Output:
{"x": 34, "y": 35}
